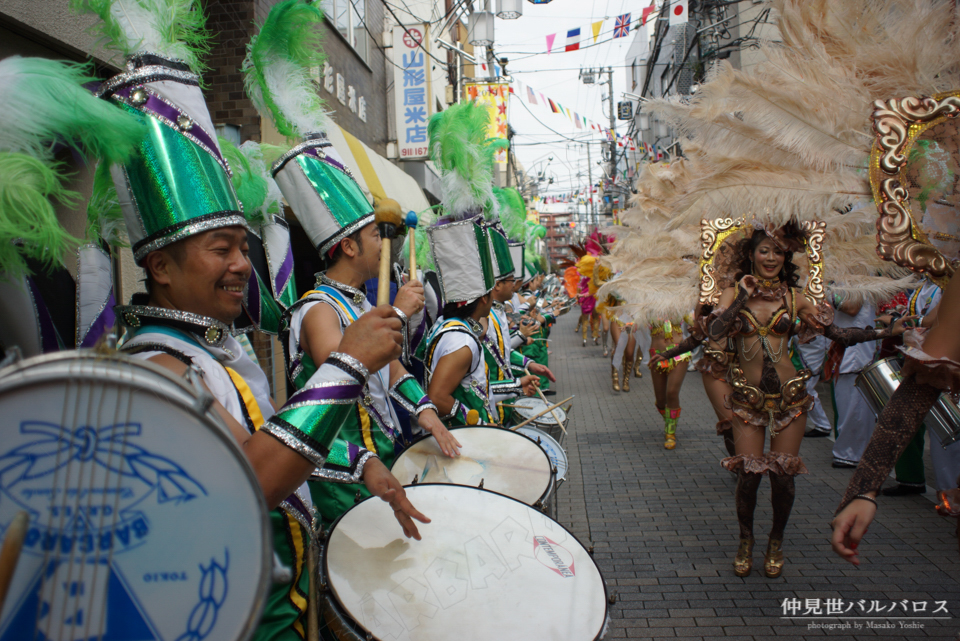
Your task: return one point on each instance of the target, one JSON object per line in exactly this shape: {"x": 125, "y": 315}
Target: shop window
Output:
{"x": 348, "y": 16}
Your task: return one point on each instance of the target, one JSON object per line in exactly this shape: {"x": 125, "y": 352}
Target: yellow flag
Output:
{"x": 596, "y": 29}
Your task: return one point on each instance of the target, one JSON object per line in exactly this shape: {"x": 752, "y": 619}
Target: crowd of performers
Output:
{"x": 368, "y": 370}
{"x": 770, "y": 255}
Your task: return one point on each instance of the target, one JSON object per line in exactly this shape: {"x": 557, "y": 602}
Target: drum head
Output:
{"x": 145, "y": 520}
{"x": 488, "y": 567}
{"x": 505, "y": 461}
{"x": 531, "y": 406}
{"x": 549, "y": 444}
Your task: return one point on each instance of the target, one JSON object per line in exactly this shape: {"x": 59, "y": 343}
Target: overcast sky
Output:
{"x": 556, "y": 76}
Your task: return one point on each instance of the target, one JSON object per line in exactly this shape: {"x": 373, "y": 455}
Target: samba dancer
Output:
{"x": 667, "y": 374}
{"x": 192, "y": 245}
{"x": 768, "y": 391}
{"x": 340, "y": 223}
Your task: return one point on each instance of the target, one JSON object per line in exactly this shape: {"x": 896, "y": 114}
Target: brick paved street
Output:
{"x": 665, "y": 533}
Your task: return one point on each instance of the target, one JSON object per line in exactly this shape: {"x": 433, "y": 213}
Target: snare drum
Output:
{"x": 488, "y": 567}
{"x": 145, "y": 519}
{"x": 880, "y": 380}
{"x": 556, "y": 454}
{"x": 504, "y": 461}
{"x": 527, "y": 407}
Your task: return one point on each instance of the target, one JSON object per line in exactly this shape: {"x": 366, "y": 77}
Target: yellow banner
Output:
{"x": 494, "y": 97}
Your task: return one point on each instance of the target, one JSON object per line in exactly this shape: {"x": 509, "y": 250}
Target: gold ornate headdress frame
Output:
{"x": 898, "y": 124}
{"x": 714, "y": 233}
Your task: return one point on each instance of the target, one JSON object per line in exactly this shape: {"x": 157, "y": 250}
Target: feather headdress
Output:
{"x": 46, "y": 106}
{"x": 276, "y": 70}
{"x": 460, "y": 148}
{"x": 173, "y": 29}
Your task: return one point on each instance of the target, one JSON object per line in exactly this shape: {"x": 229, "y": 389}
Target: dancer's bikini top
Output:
{"x": 780, "y": 323}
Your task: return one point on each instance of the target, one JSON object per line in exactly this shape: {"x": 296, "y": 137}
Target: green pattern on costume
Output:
{"x": 495, "y": 372}
{"x": 538, "y": 352}
{"x": 465, "y": 394}
{"x": 330, "y": 497}
{"x": 284, "y": 616}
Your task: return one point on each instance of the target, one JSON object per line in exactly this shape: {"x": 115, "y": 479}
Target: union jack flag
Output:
{"x": 622, "y": 26}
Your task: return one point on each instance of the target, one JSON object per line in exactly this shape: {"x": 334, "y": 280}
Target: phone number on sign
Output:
{"x": 414, "y": 151}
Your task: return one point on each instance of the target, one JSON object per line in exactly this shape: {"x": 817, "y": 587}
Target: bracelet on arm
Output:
{"x": 866, "y": 498}
{"x": 310, "y": 420}
{"x": 350, "y": 365}
{"x": 453, "y": 411}
{"x": 410, "y": 395}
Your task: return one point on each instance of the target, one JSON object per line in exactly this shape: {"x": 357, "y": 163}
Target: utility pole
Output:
{"x": 593, "y": 206}
{"x": 613, "y": 135}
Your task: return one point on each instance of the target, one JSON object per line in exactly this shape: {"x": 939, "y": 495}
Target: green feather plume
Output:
{"x": 459, "y": 146}
{"x": 104, "y": 215}
{"x": 250, "y": 185}
{"x": 44, "y": 103}
{"x": 513, "y": 212}
{"x": 28, "y": 220}
{"x": 172, "y": 28}
{"x": 276, "y": 71}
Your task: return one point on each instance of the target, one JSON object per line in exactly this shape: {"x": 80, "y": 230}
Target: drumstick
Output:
{"x": 542, "y": 412}
{"x": 411, "y": 222}
{"x": 544, "y": 398}
{"x": 388, "y": 218}
{"x": 10, "y": 552}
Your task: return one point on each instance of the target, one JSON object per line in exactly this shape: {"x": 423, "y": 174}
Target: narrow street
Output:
{"x": 664, "y": 529}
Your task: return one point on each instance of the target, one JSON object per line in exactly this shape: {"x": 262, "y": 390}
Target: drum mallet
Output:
{"x": 544, "y": 399}
{"x": 10, "y": 552}
{"x": 541, "y": 413}
{"x": 411, "y": 222}
{"x": 389, "y": 219}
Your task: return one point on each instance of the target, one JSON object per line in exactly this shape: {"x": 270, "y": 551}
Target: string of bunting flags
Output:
{"x": 676, "y": 11}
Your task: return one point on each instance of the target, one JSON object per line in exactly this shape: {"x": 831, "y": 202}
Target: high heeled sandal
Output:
{"x": 773, "y": 559}
{"x": 743, "y": 562}
{"x": 615, "y": 377}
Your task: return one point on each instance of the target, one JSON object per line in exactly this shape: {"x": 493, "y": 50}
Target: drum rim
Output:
{"x": 322, "y": 565}
{"x": 545, "y": 404}
{"x": 525, "y": 427}
{"x": 23, "y": 374}
{"x": 543, "y": 497}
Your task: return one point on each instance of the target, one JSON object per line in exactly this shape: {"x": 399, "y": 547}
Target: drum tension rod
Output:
{"x": 357, "y": 497}
{"x": 481, "y": 484}
{"x": 416, "y": 479}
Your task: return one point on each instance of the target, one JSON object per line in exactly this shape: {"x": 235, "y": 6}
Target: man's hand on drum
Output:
{"x": 410, "y": 299}
{"x": 374, "y": 339}
{"x": 541, "y": 370}
{"x": 529, "y": 384}
{"x": 378, "y": 479}
{"x": 431, "y": 422}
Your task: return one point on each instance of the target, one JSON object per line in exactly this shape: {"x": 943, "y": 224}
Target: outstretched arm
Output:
{"x": 731, "y": 302}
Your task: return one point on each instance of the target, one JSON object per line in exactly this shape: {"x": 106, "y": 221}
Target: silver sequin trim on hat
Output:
{"x": 346, "y": 231}
{"x": 230, "y": 220}
{"x": 143, "y": 75}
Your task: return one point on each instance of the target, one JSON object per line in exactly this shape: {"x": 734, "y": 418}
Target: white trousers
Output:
{"x": 855, "y": 420}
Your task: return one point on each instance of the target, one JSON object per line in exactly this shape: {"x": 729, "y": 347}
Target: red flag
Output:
{"x": 647, "y": 12}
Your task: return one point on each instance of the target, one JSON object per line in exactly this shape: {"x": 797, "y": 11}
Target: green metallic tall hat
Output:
{"x": 460, "y": 241}
{"x": 318, "y": 187}
{"x": 503, "y": 265}
{"x": 177, "y": 183}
